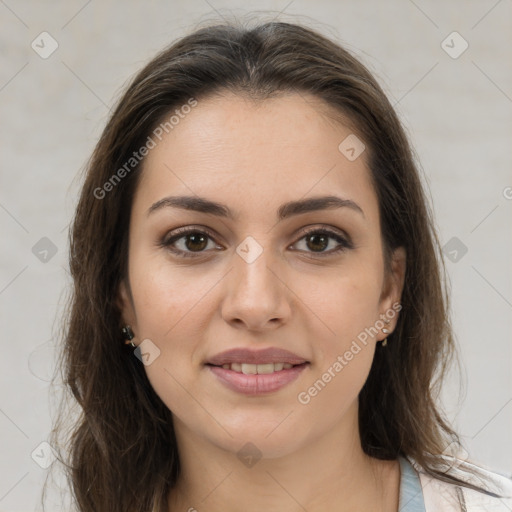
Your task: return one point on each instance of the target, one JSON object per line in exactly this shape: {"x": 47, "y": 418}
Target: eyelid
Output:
{"x": 185, "y": 230}
{"x": 344, "y": 241}
{"x": 315, "y": 228}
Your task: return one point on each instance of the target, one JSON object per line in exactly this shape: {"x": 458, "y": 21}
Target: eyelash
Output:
{"x": 182, "y": 232}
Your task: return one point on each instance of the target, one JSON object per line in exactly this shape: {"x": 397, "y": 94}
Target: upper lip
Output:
{"x": 265, "y": 356}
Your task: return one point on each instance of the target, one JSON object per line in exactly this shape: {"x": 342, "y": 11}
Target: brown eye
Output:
{"x": 318, "y": 240}
{"x": 196, "y": 241}
{"x": 188, "y": 242}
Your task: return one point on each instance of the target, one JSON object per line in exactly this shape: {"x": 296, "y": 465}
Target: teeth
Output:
{"x": 253, "y": 369}
{"x": 264, "y": 368}
{"x": 249, "y": 369}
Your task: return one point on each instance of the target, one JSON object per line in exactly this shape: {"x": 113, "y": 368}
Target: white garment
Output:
{"x": 441, "y": 496}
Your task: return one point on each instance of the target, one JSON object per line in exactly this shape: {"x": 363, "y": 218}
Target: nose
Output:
{"x": 256, "y": 296}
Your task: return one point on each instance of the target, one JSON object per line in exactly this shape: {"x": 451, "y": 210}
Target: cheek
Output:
{"x": 348, "y": 308}
{"x": 171, "y": 311}
{"x": 345, "y": 301}
{"x": 334, "y": 389}
{"x": 167, "y": 296}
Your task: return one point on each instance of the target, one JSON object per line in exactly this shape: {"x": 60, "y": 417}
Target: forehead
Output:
{"x": 247, "y": 152}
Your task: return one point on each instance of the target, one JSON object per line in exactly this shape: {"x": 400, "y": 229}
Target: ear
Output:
{"x": 394, "y": 284}
{"x": 124, "y": 302}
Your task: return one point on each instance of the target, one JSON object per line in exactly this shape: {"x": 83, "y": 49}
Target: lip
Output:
{"x": 259, "y": 383}
{"x": 264, "y": 356}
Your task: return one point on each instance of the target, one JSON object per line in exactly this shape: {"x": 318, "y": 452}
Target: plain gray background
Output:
{"x": 457, "y": 111}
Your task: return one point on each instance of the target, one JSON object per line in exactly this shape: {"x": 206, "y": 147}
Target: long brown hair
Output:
{"x": 122, "y": 449}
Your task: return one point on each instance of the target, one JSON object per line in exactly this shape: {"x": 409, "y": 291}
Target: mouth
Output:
{"x": 257, "y": 369}
{"x": 256, "y": 372}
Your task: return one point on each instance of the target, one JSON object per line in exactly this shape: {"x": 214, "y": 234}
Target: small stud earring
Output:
{"x": 384, "y": 342}
{"x": 128, "y": 334}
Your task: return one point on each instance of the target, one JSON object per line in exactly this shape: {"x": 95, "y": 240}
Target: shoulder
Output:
{"x": 440, "y": 495}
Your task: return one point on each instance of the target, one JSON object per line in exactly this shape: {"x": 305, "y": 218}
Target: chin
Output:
{"x": 269, "y": 439}
{"x": 259, "y": 446}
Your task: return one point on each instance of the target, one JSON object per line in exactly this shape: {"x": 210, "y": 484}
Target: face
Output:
{"x": 261, "y": 274}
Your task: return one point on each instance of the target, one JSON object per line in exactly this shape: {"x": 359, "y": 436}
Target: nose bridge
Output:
{"x": 255, "y": 293}
{"x": 252, "y": 267}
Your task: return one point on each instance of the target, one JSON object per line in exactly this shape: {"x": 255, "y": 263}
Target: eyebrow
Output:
{"x": 286, "y": 210}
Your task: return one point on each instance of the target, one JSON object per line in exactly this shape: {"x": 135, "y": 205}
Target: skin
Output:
{"x": 253, "y": 157}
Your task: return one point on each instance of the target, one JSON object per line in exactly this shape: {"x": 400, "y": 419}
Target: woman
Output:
{"x": 259, "y": 313}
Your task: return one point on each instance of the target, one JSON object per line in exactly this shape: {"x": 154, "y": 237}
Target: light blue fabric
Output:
{"x": 411, "y": 494}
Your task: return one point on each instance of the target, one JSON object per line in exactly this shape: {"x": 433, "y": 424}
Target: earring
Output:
{"x": 387, "y": 321}
{"x": 384, "y": 342}
{"x": 128, "y": 334}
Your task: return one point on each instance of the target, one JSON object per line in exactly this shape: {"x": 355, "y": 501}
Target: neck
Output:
{"x": 331, "y": 473}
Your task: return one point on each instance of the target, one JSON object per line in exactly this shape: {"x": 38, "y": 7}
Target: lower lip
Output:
{"x": 256, "y": 384}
